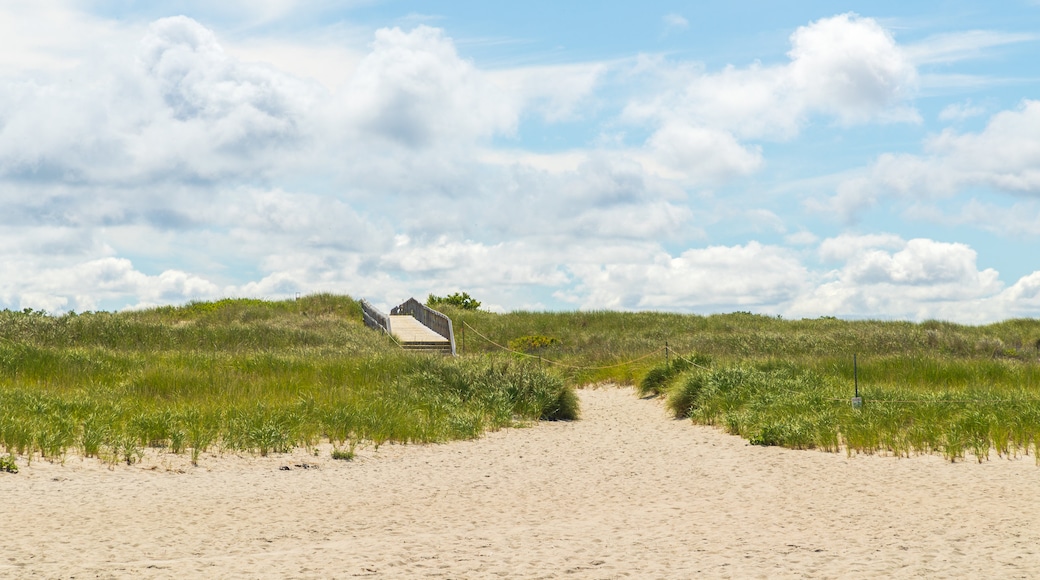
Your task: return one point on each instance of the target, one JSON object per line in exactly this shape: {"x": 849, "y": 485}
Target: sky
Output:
{"x": 872, "y": 160}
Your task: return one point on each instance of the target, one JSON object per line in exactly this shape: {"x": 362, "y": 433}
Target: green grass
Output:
{"x": 245, "y": 375}
{"x": 266, "y": 377}
{"x": 933, "y": 387}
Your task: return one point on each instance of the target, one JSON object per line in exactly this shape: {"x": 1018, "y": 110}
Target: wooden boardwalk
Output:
{"x": 413, "y": 335}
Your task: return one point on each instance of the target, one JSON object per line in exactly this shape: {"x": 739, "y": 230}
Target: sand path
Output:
{"x": 624, "y": 493}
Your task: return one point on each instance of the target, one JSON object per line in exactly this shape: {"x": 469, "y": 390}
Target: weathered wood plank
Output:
{"x": 407, "y": 330}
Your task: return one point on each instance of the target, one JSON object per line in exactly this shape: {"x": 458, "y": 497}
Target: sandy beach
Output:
{"x": 626, "y": 492}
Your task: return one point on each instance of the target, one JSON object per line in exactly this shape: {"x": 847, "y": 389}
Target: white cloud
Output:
{"x": 1020, "y": 219}
{"x": 884, "y": 276}
{"x": 558, "y": 93}
{"x": 801, "y": 238}
{"x": 847, "y": 67}
{"x": 850, "y": 67}
{"x": 713, "y": 278}
{"x": 59, "y": 289}
{"x": 42, "y": 37}
{"x": 675, "y": 21}
{"x": 1004, "y": 156}
{"x": 328, "y": 61}
{"x": 181, "y": 110}
{"x": 847, "y": 246}
{"x": 700, "y": 154}
{"x": 415, "y": 90}
{"x": 961, "y": 111}
{"x": 955, "y": 46}
{"x": 172, "y": 168}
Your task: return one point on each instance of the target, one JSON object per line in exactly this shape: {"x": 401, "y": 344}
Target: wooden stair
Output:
{"x": 413, "y": 335}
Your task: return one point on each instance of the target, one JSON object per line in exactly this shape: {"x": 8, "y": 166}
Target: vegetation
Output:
{"x": 345, "y": 454}
{"x": 933, "y": 387}
{"x": 245, "y": 375}
{"x": 8, "y": 464}
{"x": 536, "y": 343}
{"x": 269, "y": 376}
{"x": 461, "y": 300}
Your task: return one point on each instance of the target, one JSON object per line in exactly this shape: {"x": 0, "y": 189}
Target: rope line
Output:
{"x": 926, "y": 402}
{"x": 560, "y": 364}
{"x": 678, "y": 356}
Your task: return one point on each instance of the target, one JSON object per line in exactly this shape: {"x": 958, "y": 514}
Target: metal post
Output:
{"x": 855, "y": 374}
{"x": 667, "y": 358}
{"x": 857, "y": 402}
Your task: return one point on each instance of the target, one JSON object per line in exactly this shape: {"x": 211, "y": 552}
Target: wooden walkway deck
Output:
{"x": 413, "y": 335}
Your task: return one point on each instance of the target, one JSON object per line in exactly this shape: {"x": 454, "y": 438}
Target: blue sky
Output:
{"x": 857, "y": 159}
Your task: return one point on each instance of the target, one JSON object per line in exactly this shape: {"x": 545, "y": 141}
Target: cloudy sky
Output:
{"x": 856, "y": 159}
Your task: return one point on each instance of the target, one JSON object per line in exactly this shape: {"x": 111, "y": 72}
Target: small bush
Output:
{"x": 8, "y": 464}
{"x": 459, "y": 300}
{"x": 564, "y": 407}
{"x": 657, "y": 380}
{"x": 683, "y": 400}
{"x": 345, "y": 454}
{"x": 654, "y": 382}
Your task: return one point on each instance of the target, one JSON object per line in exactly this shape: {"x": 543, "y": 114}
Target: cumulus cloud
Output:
{"x": 1004, "y": 156}
{"x": 181, "y": 110}
{"x": 713, "y": 278}
{"x": 884, "y": 276}
{"x": 558, "y": 93}
{"x": 174, "y": 169}
{"x": 59, "y": 289}
{"x": 701, "y": 154}
{"x": 846, "y": 68}
{"x": 849, "y": 67}
{"x": 415, "y": 90}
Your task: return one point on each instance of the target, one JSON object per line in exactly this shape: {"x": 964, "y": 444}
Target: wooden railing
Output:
{"x": 429, "y": 318}
{"x": 374, "y": 318}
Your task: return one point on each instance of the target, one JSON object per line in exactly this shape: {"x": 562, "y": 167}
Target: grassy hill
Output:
{"x": 244, "y": 375}
{"x": 269, "y": 376}
{"x": 933, "y": 387}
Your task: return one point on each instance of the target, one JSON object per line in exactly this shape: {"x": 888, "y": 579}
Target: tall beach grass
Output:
{"x": 930, "y": 387}
{"x": 269, "y": 376}
{"x": 245, "y": 375}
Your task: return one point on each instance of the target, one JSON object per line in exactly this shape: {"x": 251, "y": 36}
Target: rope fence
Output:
{"x": 560, "y": 364}
{"x": 668, "y": 352}
{"x": 680, "y": 357}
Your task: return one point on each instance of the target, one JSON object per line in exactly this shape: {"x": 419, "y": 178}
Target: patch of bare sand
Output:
{"x": 624, "y": 493}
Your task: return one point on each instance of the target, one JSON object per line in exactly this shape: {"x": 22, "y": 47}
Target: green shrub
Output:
{"x": 8, "y": 464}
{"x": 654, "y": 381}
{"x": 347, "y": 454}
{"x": 460, "y": 300}
{"x": 683, "y": 399}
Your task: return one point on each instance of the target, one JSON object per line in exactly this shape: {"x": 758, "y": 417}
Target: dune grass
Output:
{"x": 932, "y": 387}
{"x": 245, "y": 375}
{"x": 266, "y": 377}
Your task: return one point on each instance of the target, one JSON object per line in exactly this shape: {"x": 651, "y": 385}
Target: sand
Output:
{"x": 625, "y": 493}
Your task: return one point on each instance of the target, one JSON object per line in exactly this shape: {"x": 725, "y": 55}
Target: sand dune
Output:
{"x": 624, "y": 493}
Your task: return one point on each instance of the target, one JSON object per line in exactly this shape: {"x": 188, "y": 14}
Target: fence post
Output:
{"x": 857, "y": 402}
{"x": 667, "y": 358}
